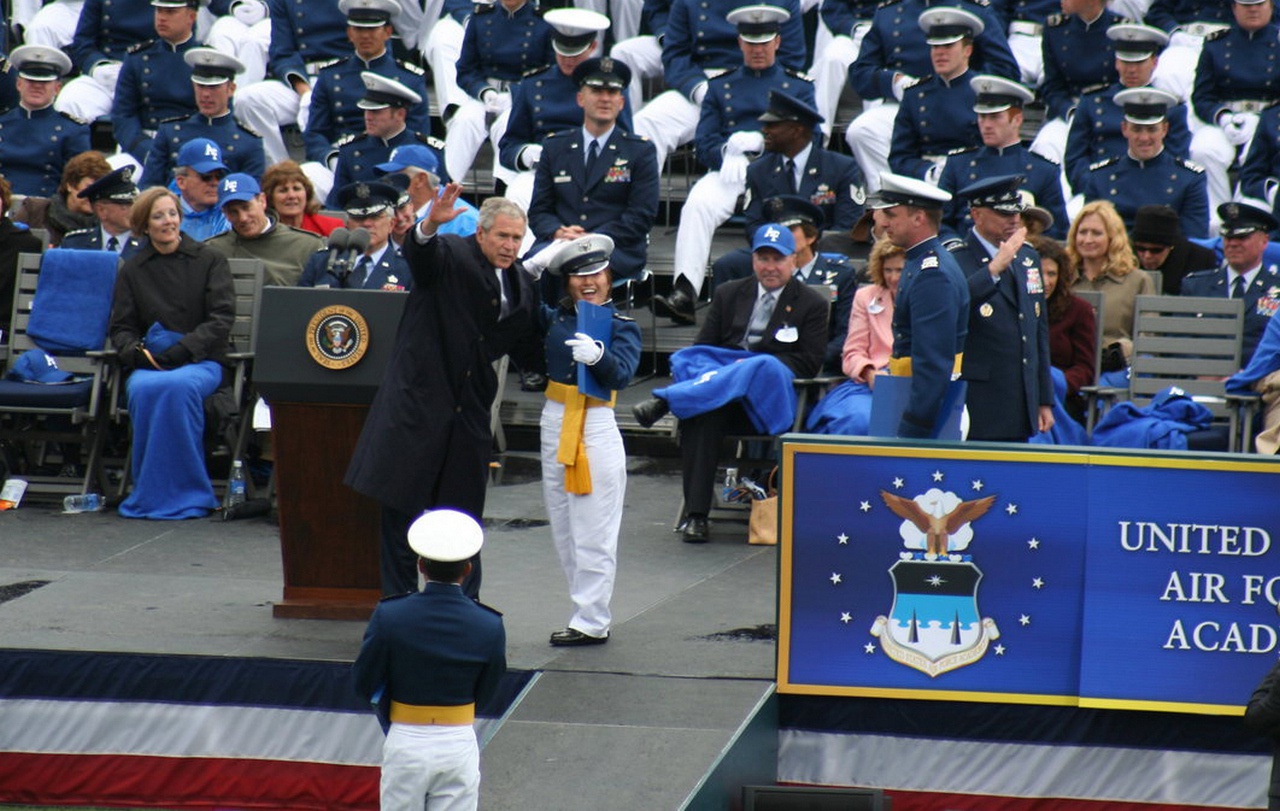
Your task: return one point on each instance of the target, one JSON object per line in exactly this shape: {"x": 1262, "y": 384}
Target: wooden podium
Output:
{"x": 319, "y": 359}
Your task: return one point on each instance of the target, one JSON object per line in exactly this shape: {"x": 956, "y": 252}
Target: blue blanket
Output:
{"x": 1265, "y": 360}
{"x": 1065, "y": 430}
{"x": 72, "y": 305}
{"x": 170, "y": 481}
{"x": 708, "y": 377}
{"x": 1163, "y": 424}
{"x": 845, "y": 410}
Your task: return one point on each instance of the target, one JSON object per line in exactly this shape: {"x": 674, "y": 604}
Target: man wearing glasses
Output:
{"x": 200, "y": 170}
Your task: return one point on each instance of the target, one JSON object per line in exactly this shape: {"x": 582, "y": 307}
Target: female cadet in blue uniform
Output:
{"x": 584, "y": 466}
{"x": 369, "y": 206}
{"x": 36, "y": 140}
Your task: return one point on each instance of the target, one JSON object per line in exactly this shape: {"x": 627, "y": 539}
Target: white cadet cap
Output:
{"x": 574, "y": 30}
{"x": 39, "y": 63}
{"x": 583, "y": 256}
{"x": 900, "y": 190}
{"x": 1135, "y": 42}
{"x": 369, "y": 13}
{"x": 211, "y": 67}
{"x": 758, "y": 24}
{"x": 943, "y": 26}
{"x": 1145, "y": 105}
{"x": 994, "y": 94}
{"x": 381, "y": 92}
{"x": 446, "y": 536}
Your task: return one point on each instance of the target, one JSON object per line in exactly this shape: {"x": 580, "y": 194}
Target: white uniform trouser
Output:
{"x": 438, "y": 762}
{"x": 520, "y": 191}
{"x": 668, "y": 121}
{"x": 1029, "y": 56}
{"x": 623, "y": 14}
{"x": 264, "y": 108}
{"x": 1051, "y": 141}
{"x": 1211, "y": 149}
{"x": 466, "y": 134}
{"x": 248, "y": 43}
{"x": 868, "y": 137}
{"x": 585, "y": 527}
{"x": 85, "y": 98}
{"x": 53, "y": 26}
{"x": 1176, "y": 71}
{"x": 644, "y": 56}
{"x": 831, "y": 71}
{"x": 1132, "y": 9}
{"x": 496, "y": 130}
{"x": 710, "y": 204}
{"x": 442, "y": 49}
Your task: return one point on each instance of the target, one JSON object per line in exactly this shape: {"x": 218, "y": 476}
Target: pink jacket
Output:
{"x": 870, "y": 340}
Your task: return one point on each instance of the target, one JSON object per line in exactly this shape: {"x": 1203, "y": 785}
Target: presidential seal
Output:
{"x": 337, "y": 337}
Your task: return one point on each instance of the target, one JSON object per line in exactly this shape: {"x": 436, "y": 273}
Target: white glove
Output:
{"x": 585, "y": 348}
{"x": 304, "y": 110}
{"x": 934, "y": 172}
{"x": 249, "y": 12}
{"x": 900, "y": 83}
{"x": 530, "y": 155}
{"x": 1182, "y": 39}
{"x": 536, "y": 264}
{"x": 740, "y": 143}
{"x": 106, "y": 74}
{"x": 496, "y": 102}
{"x": 733, "y": 170}
{"x": 1239, "y": 127}
{"x": 699, "y": 93}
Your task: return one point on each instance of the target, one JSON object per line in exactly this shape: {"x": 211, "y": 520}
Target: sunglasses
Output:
{"x": 210, "y": 177}
{"x": 1151, "y": 248}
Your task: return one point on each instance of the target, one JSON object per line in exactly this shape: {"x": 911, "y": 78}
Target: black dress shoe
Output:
{"x": 696, "y": 530}
{"x": 679, "y": 306}
{"x": 572, "y": 638}
{"x": 533, "y": 381}
{"x": 647, "y": 412}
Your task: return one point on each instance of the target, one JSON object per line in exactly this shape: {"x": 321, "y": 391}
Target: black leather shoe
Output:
{"x": 647, "y": 412}
{"x": 572, "y": 638}
{"x": 696, "y": 530}
{"x": 679, "y": 306}
{"x": 533, "y": 381}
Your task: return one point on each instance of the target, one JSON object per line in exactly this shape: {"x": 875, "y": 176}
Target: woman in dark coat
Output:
{"x": 14, "y": 239}
{"x": 1072, "y": 328}
{"x": 172, "y": 314}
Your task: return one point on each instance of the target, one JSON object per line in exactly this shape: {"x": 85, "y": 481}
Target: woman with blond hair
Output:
{"x": 1099, "y": 248}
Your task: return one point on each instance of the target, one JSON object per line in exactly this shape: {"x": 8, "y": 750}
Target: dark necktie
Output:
{"x": 357, "y": 276}
{"x": 791, "y": 175}
{"x": 1237, "y": 286}
{"x": 593, "y": 154}
{"x": 113, "y": 244}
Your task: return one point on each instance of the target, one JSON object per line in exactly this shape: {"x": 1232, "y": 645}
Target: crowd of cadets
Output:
{"x": 1146, "y": 102}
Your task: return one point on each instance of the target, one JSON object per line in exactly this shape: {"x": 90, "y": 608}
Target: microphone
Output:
{"x": 356, "y": 246}
{"x": 338, "y": 242}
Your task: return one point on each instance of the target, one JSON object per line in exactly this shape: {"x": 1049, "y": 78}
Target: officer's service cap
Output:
{"x": 400, "y": 183}
{"x": 791, "y": 209}
{"x": 774, "y": 236}
{"x": 39, "y": 63}
{"x": 366, "y": 199}
{"x": 1241, "y": 219}
{"x": 1145, "y": 105}
{"x": 408, "y": 156}
{"x": 212, "y": 67}
{"x": 237, "y": 187}
{"x": 758, "y": 23}
{"x": 1135, "y": 42}
{"x": 994, "y": 94}
{"x": 369, "y": 13}
{"x": 785, "y": 107}
{"x": 998, "y": 193}
{"x": 602, "y": 72}
{"x": 1250, "y": 2}
{"x": 114, "y": 187}
{"x": 900, "y": 190}
{"x": 179, "y": 3}
{"x": 201, "y": 155}
{"x": 446, "y": 536}
{"x": 381, "y": 93}
{"x": 943, "y": 26}
{"x": 583, "y": 256}
{"x": 574, "y": 30}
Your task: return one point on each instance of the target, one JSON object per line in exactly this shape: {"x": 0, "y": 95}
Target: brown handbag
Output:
{"x": 763, "y": 527}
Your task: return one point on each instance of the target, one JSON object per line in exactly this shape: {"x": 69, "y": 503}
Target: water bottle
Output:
{"x": 730, "y": 484}
{"x": 88, "y": 503}
{"x": 236, "y": 487}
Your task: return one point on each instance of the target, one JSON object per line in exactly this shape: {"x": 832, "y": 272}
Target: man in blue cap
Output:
{"x": 421, "y": 165}
{"x": 759, "y": 335}
{"x": 379, "y": 266}
{"x": 112, "y": 199}
{"x": 198, "y": 175}
{"x": 256, "y": 233}
{"x": 1006, "y": 351}
{"x": 38, "y": 140}
{"x": 931, "y": 312}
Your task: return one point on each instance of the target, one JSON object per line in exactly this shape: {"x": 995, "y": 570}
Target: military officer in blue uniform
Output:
{"x": 503, "y": 41}
{"x": 614, "y": 193}
{"x": 36, "y": 140}
{"x": 386, "y": 105}
{"x": 381, "y": 267}
{"x": 1238, "y": 77}
{"x": 155, "y": 78}
{"x": 428, "y": 659}
{"x": 936, "y": 115}
{"x": 998, "y": 103}
{"x": 213, "y": 78}
{"x": 895, "y": 54}
{"x": 931, "y": 311}
{"x": 1095, "y": 130}
{"x": 112, "y": 198}
{"x": 1245, "y": 274}
{"x": 1148, "y": 174}
{"x": 1006, "y": 350}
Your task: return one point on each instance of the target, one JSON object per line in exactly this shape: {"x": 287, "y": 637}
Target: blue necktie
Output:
{"x": 1237, "y": 286}
{"x": 593, "y": 154}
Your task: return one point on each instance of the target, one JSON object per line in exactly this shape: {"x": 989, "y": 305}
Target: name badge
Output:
{"x": 562, "y": 179}
{"x": 787, "y": 335}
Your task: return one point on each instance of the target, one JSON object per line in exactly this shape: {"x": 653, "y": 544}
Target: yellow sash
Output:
{"x": 426, "y": 715}
{"x": 901, "y": 367}
{"x": 572, "y": 452}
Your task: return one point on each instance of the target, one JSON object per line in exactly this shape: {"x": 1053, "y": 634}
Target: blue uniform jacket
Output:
{"x": 653, "y": 17}
{"x": 842, "y": 15}
{"x": 435, "y": 647}
{"x": 1042, "y": 179}
{"x": 1163, "y": 180}
{"x": 1095, "y": 133}
{"x": 302, "y": 32}
{"x": 619, "y": 199}
{"x": 91, "y": 239}
{"x": 930, "y": 321}
{"x": 735, "y": 101}
{"x": 895, "y": 44}
{"x": 544, "y": 102}
{"x": 503, "y": 46}
{"x": 1006, "y": 349}
{"x": 35, "y": 145}
{"x": 1261, "y": 300}
{"x": 835, "y": 276}
{"x": 1169, "y": 14}
{"x": 1077, "y": 55}
{"x": 935, "y": 118}
{"x": 1261, "y": 167}
{"x": 107, "y": 29}
{"x": 1236, "y": 66}
{"x": 390, "y": 273}
{"x": 698, "y": 38}
{"x": 337, "y": 89}
{"x": 621, "y": 357}
{"x": 358, "y": 155}
{"x": 831, "y": 181}
{"x": 8, "y": 86}
{"x": 154, "y": 86}
{"x": 241, "y": 147}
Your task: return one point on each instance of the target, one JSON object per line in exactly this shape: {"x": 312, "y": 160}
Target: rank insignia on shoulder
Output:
{"x": 954, "y": 244}
{"x": 1101, "y": 164}
{"x": 431, "y": 141}
{"x": 1193, "y": 166}
{"x": 930, "y": 261}
{"x": 140, "y": 46}
{"x": 1055, "y": 20}
{"x": 620, "y": 317}
{"x": 346, "y": 139}
{"x": 412, "y": 68}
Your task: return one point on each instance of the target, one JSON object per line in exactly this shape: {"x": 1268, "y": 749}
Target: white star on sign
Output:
{"x": 869, "y": 647}
{"x": 999, "y": 649}
{"x": 1034, "y": 543}
{"x": 937, "y": 475}
{"x": 898, "y": 483}
{"x": 846, "y": 617}
{"x": 935, "y": 581}
{"x": 1024, "y": 620}
{"x": 843, "y": 539}
{"x": 1011, "y": 509}
{"x": 835, "y": 578}
{"x": 1037, "y": 582}
{"x": 865, "y": 506}
{"x": 977, "y": 485}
